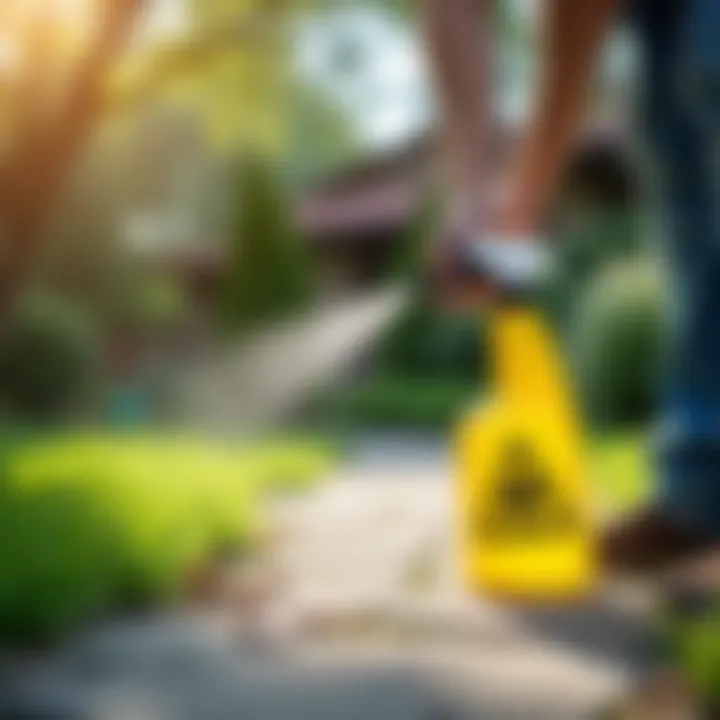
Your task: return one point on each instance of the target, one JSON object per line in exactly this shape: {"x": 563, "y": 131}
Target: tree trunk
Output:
{"x": 45, "y": 153}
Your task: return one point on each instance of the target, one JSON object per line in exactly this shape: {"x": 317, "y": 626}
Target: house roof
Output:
{"x": 377, "y": 195}
{"x": 375, "y": 208}
{"x": 382, "y": 194}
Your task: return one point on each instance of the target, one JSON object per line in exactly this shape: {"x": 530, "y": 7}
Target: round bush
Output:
{"x": 46, "y": 357}
{"x": 617, "y": 342}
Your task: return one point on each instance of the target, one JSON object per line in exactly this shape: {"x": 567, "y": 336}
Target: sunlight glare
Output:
{"x": 8, "y": 54}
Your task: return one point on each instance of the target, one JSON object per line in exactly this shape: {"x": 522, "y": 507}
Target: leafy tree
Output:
{"x": 63, "y": 74}
{"x": 153, "y": 181}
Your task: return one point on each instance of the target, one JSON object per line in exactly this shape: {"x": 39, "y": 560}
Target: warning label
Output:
{"x": 525, "y": 504}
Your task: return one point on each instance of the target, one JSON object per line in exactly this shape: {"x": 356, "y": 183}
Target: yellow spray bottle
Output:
{"x": 524, "y": 521}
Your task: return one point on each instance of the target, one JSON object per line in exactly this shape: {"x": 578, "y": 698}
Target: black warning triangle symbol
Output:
{"x": 526, "y": 503}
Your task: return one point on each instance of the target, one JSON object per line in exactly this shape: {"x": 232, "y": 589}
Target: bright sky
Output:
{"x": 386, "y": 94}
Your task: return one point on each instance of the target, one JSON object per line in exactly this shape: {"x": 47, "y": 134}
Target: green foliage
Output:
{"x": 427, "y": 370}
{"x": 410, "y": 257}
{"x": 618, "y": 342}
{"x": 231, "y": 68}
{"x": 158, "y": 303}
{"x": 132, "y": 175}
{"x": 586, "y": 242}
{"x": 322, "y": 138}
{"x": 90, "y": 522}
{"x": 86, "y": 260}
{"x": 621, "y": 471}
{"x": 427, "y": 344}
{"x": 270, "y": 274}
{"x": 402, "y": 402}
{"x": 46, "y": 358}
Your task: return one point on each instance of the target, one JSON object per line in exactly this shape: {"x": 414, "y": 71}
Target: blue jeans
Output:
{"x": 681, "y": 120}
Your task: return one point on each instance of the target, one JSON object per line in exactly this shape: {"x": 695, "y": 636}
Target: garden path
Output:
{"x": 368, "y": 624}
{"x": 252, "y": 386}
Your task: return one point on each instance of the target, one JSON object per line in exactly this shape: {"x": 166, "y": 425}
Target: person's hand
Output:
{"x": 486, "y": 254}
{"x": 453, "y": 282}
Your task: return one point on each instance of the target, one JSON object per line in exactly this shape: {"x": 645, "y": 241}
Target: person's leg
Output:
{"x": 460, "y": 48}
{"x": 690, "y": 444}
{"x": 681, "y": 131}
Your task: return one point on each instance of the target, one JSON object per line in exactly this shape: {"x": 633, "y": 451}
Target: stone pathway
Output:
{"x": 253, "y": 386}
{"x": 369, "y": 625}
{"x": 370, "y": 564}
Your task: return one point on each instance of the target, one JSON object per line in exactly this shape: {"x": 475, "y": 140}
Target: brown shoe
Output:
{"x": 666, "y": 695}
{"x": 649, "y": 541}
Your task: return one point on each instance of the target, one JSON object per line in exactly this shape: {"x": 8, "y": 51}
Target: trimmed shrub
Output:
{"x": 618, "y": 341}
{"x": 270, "y": 273}
{"x": 586, "y": 244}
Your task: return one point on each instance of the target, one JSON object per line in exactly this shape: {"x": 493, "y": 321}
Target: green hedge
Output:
{"x": 90, "y": 522}
{"x": 392, "y": 401}
{"x": 426, "y": 343}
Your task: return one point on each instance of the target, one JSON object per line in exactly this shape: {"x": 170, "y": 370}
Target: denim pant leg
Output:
{"x": 682, "y": 129}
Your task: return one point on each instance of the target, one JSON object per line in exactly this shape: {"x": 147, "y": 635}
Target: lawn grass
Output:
{"x": 621, "y": 468}
{"x": 91, "y": 521}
